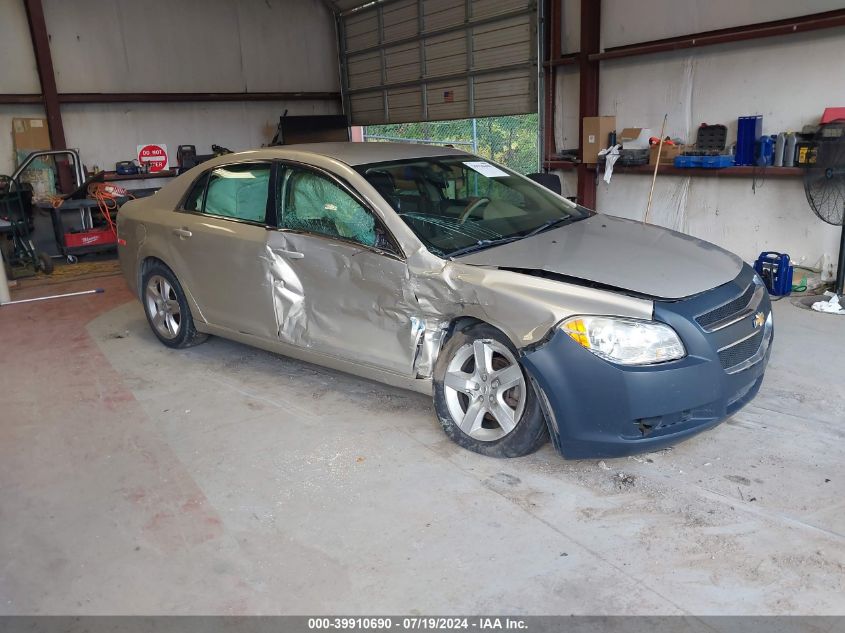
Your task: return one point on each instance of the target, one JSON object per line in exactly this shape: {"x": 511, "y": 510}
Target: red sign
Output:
{"x": 155, "y": 156}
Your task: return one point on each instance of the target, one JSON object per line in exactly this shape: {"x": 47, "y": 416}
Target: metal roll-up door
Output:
{"x": 433, "y": 60}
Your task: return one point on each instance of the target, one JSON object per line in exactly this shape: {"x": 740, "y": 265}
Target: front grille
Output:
{"x": 726, "y": 310}
{"x": 742, "y": 351}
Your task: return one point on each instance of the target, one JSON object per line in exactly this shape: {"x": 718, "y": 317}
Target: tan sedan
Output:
{"x": 522, "y": 313}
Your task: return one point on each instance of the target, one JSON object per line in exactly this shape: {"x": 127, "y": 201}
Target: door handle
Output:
{"x": 183, "y": 233}
{"x": 289, "y": 254}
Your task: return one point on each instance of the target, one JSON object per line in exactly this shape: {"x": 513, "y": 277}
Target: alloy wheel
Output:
{"x": 163, "y": 307}
{"x": 485, "y": 389}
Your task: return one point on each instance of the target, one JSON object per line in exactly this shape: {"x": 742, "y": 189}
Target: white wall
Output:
{"x": 166, "y": 46}
{"x": 109, "y": 133}
{"x": 789, "y": 80}
{"x": 18, "y": 74}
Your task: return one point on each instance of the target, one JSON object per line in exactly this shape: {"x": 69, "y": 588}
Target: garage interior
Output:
{"x": 226, "y": 480}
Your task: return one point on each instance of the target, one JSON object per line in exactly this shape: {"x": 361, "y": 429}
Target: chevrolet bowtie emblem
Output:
{"x": 759, "y": 319}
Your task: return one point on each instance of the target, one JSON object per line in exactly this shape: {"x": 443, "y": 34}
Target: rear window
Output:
{"x": 194, "y": 200}
{"x": 234, "y": 191}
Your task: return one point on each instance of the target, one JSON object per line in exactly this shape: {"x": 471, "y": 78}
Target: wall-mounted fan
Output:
{"x": 824, "y": 184}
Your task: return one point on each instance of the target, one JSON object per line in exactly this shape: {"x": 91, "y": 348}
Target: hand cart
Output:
{"x": 16, "y": 245}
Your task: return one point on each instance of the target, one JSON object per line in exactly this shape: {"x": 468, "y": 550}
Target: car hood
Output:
{"x": 624, "y": 254}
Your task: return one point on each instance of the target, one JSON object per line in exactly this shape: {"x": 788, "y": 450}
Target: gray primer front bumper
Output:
{"x": 601, "y": 409}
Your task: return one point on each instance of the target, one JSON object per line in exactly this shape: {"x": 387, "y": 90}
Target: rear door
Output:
{"x": 218, "y": 242}
{"x": 342, "y": 286}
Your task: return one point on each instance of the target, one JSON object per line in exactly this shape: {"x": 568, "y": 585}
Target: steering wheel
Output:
{"x": 471, "y": 208}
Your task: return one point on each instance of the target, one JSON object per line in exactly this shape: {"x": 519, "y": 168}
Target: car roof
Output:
{"x": 363, "y": 153}
{"x": 354, "y": 153}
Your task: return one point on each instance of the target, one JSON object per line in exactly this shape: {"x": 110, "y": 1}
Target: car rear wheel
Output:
{"x": 483, "y": 397}
{"x": 166, "y": 307}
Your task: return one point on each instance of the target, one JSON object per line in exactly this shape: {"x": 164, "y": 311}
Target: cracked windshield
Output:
{"x": 457, "y": 205}
{"x": 460, "y": 204}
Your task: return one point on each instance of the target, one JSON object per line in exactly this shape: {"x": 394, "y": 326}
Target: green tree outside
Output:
{"x": 509, "y": 140}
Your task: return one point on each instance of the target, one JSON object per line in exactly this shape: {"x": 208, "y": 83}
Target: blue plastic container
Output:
{"x": 765, "y": 151}
{"x": 717, "y": 162}
{"x": 688, "y": 161}
{"x": 776, "y": 272}
{"x": 708, "y": 162}
{"x": 748, "y": 132}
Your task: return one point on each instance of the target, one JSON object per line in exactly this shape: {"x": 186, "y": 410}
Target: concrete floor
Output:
{"x": 222, "y": 479}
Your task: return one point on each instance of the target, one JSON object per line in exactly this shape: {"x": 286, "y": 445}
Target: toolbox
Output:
{"x": 632, "y": 157}
{"x": 709, "y": 149}
{"x": 91, "y": 238}
{"x": 705, "y": 162}
{"x": 711, "y": 139}
{"x": 126, "y": 168}
{"x": 628, "y": 157}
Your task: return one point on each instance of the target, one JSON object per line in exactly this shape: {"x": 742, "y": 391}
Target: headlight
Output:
{"x": 625, "y": 341}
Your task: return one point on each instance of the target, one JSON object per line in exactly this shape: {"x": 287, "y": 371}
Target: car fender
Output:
{"x": 523, "y": 307}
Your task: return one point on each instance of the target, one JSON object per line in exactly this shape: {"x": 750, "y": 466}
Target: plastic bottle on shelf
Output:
{"x": 780, "y": 146}
{"x": 789, "y": 150}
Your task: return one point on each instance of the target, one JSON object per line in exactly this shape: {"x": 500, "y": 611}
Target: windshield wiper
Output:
{"x": 482, "y": 244}
{"x": 545, "y": 226}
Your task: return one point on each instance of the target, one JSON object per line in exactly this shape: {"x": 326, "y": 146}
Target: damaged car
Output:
{"x": 524, "y": 315}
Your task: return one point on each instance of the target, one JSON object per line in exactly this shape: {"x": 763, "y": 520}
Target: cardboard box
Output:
{"x": 667, "y": 154}
{"x": 594, "y": 136}
{"x": 29, "y": 135}
{"x": 634, "y": 137}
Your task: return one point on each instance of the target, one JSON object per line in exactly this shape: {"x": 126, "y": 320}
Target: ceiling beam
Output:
{"x": 170, "y": 97}
{"x": 187, "y": 97}
{"x": 789, "y": 26}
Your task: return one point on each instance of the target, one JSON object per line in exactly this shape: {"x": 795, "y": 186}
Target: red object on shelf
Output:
{"x": 94, "y": 237}
{"x": 832, "y": 114}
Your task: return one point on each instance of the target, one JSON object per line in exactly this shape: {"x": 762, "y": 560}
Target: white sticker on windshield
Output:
{"x": 486, "y": 169}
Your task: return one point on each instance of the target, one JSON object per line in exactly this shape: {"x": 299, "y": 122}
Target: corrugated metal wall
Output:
{"x": 789, "y": 80}
{"x": 431, "y": 60}
{"x": 164, "y": 46}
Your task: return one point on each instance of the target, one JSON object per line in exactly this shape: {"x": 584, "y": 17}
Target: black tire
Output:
{"x": 44, "y": 263}
{"x": 186, "y": 334}
{"x": 530, "y": 431}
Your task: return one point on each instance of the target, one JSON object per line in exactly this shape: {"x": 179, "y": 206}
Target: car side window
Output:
{"x": 239, "y": 192}
{"x": 310, "y": 202}
{"x": 193, "y": 202}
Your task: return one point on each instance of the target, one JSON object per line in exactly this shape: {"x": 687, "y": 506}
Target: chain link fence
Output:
{"x": 512, "y": 141}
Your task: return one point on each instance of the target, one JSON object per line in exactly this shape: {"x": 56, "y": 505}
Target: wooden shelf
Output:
{"x": 111, "y": 176}
{"x": 670, "y": 170}
{"x": 563, "y": 165}
{"x": 725, "y": 172}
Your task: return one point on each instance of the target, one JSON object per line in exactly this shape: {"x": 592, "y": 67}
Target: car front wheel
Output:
{"x": 483, "y": 397}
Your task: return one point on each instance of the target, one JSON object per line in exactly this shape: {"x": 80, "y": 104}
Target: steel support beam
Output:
{"x": 15, "y": 99}
{"x": 171, "y": 97}
{"x": 588, "y": 97}
{"x": 185, "y": 97}
{"x": 551, "y": 50}
{"x": 44, "y": 65}
{"x": 789, "y": 26}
